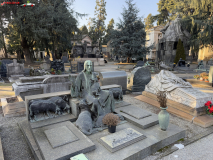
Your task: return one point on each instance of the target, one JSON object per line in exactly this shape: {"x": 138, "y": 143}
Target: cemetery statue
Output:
{"x": 95, "y": 103}
{"x": 200, "y": 65}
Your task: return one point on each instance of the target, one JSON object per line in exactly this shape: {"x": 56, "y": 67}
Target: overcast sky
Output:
{"x": 114, "y": 9}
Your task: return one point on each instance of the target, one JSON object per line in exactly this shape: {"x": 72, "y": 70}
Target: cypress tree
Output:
{"x": 180, "y": 52}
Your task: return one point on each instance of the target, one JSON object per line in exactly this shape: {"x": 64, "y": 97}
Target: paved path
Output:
{"x": 200, "y": 150}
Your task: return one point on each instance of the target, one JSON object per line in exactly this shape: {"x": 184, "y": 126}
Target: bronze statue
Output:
{"x": 95, "y": 103}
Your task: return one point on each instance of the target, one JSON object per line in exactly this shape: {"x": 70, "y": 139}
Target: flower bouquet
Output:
{"x": 209, "y": 108}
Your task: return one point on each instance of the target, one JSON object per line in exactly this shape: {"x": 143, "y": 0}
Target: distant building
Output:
{"x": 152, "y": 36}
{"x": 172, "y": 32}
{"x": 84, "y": 47}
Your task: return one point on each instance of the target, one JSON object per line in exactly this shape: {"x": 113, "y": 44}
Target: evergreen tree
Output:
{"x": 130, "y": 37}
{"x": 50, "y": 22}
{"x": 109, "y": 29}
{"x": 166, "y": 9}
{"x": 98, "y": 22}
{"x": 84, "y": 30}
{"x": 197, "y": 18}
{"x": 149, "y": 21}
{"x": 180, "y": 53}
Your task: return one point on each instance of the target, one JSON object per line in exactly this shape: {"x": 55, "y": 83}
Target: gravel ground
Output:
{"x": 14, "y": 144}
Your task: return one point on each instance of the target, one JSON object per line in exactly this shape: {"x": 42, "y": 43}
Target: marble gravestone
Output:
{"x": 65, "y": 59}
{"x": 47, "y": 59}
{"x": 140, "y": 77}
{"x": 210, "y": 62}
{"x": 139, "y": 64}
{"x": 3, "y": 71}
{"x": 178, "y": 90}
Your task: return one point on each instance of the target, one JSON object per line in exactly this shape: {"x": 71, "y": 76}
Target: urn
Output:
{"x": 163, "y": 117}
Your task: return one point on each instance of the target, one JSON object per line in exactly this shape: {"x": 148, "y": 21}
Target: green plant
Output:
{"x": 110, "y": 119}
{"x": 52, "y": 70}
{"x": 58, "y": 72}
{"x": 161, "y": 98}
{"x": 196, "y": 76}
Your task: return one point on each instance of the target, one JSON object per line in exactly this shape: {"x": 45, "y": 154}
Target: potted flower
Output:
{"x": 52, "y": 71}
{"x": 203, "y": 75}
{"x": 163, "y": 115}
{"x": 209, "y": 108}
{"x": 111, "y": 120}
{"x": 206, "y": 79}
{"x": 196, "y": 77}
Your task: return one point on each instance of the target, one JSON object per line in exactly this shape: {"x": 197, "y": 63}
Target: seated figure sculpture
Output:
{"x": 95, "y": 103}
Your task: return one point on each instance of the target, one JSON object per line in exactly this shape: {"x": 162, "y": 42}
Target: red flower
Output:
{"x": 208, "y": 103}
{"x": 211, "y": 110}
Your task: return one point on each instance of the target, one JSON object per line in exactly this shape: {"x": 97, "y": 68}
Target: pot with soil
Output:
{"x": 111, "y": 120}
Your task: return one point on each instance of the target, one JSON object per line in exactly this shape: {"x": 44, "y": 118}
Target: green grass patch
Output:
{"x": 6, "y": 84}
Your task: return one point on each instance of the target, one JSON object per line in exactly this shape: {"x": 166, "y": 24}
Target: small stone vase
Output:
{"x": 163, "y": 117}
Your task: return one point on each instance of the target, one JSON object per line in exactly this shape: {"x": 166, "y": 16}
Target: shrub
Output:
{"x": 111, "y": 119}
{"x": 180, "y": 52}
{"x": 204, "y": 74}
{"x": 161, "y": 97}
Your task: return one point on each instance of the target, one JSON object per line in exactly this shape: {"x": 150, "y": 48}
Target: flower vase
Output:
{"x": 163, "y": 117}
{"x": 111, "y": 129}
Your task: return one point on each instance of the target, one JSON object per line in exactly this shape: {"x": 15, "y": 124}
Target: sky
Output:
{"x": 114, "y": 8}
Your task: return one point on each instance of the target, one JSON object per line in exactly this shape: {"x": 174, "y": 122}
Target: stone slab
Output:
{"x": 25, "y": 128}
{"x": 174, "y": 111}
{"x": 203, "y": 120}
{"x": 1, "y": 151}
{"x": 67, "y": 117}
{"x": 135, "y": 112}
{"x": 14, "y": 109}
{"x": 179, "y": 106}
{"x": 156, "y": 139}
{"x": 60, "y": 136}
{"x": 121, "y": 104}
{"x": 141, "y": 123}
{"x": 83, "y": 145}
{"x": 121, "y": 139}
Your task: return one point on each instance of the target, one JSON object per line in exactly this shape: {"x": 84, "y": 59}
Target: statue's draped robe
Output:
{"x": 100, "y": 102}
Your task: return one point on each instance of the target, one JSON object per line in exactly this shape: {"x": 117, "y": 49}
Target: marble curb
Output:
{"x": 187, "y": 142}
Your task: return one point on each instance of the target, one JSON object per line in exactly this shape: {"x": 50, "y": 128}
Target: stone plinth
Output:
{"x": 15, "y": 68}
{"x": 138, "y": 116}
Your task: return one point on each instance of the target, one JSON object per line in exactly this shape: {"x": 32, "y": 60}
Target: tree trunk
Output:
{"x": 27, "y": 55}
{"x": 26, "y": 50}
{"x": 5, "y": 49}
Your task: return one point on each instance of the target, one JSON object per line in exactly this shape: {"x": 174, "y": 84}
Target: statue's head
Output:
{"x": 88, "y": 66}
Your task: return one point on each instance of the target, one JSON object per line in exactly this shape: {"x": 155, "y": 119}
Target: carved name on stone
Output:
{"x": 121, "y": 139}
